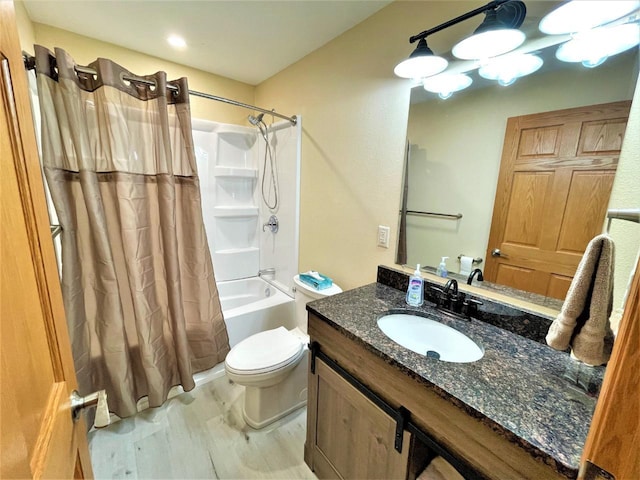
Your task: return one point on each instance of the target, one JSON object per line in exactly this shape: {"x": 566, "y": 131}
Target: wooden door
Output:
{"x": 553, "y": 189}
{"x": 353, "y": 437}
{"x": 38, "y": 436}
{"x": 613, "y": 443}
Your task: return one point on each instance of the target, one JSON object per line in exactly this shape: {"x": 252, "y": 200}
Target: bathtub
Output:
{"x": 250, "y": 305}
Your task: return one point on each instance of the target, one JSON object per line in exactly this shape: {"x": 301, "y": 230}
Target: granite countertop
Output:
{"x": 522, "y": 389}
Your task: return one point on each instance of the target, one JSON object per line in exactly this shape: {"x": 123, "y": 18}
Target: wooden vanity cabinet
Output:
{"x": 350, "y": 437}
{"x": 353, "y": 437}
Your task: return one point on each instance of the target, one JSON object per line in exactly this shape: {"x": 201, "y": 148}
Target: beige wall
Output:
{"x": 26, "y": 31}
{"x": 85, "y": 50}
{"x": 626, "y": 194}
{"x": 354, "y": 115}
{"x": 457, "y": 148}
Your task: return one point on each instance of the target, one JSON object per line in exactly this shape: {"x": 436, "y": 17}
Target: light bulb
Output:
{"x": 594, "y": 62}
{"x": 508, "y": 68}
{"x": 593, "y": 47}
{"x": 579, "y": 16}
{"x": 446, "y": 84}
{"x": 488, "y": 44}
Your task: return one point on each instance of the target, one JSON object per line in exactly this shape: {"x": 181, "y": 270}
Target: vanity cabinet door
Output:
{"x": 349, "y": 436}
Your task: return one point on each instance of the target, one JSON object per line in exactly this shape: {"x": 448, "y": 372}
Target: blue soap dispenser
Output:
{"x": 415, "y": 292}
{"x": 442, "y": 268}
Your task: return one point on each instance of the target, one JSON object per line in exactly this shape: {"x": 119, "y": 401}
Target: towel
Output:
{"x": 440, "y": 469}
{"x": 583, "y": 322}
{"x": 316, "y": 280}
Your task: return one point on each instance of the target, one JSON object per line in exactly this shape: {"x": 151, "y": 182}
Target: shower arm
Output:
{"x": 30, "y": 64}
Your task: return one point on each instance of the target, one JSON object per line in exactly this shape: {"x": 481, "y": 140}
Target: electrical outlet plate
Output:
{"x": 383, "y": 236}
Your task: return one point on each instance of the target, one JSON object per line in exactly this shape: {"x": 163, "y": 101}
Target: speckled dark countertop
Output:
{"x": 524, "y": 390}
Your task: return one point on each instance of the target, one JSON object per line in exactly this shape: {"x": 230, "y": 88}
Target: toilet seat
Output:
{"x": 264, "y": 352}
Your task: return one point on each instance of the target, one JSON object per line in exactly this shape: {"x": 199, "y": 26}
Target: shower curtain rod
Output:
{"x": 30, "y": 64}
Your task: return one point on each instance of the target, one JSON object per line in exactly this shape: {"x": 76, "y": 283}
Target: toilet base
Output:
{"x": 265, "y": 405}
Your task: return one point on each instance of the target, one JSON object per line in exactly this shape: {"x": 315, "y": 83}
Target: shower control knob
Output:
{"x": 272, "y": 224}
{"x": 96, "y": 399}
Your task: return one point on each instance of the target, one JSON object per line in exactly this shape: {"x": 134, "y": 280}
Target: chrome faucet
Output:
{"x": 266, "y": 271}
{"x": 472, "y": 274}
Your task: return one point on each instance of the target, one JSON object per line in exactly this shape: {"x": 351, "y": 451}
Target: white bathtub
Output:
{"x": 250, "y": 306}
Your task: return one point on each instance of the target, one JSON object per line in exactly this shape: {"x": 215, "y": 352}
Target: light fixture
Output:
{"x": 446, "y": 84}
{"x": 176, "y": 41}
{"x": 421, "y": 63}
{"x": 578, "y": 16}
{"x": 508, "y": 68}
{"x": 593, "y": 47}
{"x": 496, "y": 35}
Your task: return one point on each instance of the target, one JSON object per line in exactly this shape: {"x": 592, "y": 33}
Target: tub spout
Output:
{"x": 267, "y": 271}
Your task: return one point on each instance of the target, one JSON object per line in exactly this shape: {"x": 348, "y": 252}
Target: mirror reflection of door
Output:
{"x": 553, "y": 189}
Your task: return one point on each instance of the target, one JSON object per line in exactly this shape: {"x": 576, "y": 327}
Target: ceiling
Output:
{"x": 244, "y": 40}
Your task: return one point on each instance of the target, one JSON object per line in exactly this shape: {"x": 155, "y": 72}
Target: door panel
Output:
{"x": 539, "y": 142}
{"x": 589, "y": 192}
{"x": 558, "y": 286}
{"x": 602, "y": 136}
{"x": 553, "y": 189}
{"x": 530, "y": 190}
{"x": 38, "y": 436}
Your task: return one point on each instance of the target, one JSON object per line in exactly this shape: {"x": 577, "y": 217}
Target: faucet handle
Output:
{"x": 441, "y": 297}
{"x": 470, "y": 306}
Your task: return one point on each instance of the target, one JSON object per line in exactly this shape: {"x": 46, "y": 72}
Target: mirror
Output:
{"x": 455, "y": 149}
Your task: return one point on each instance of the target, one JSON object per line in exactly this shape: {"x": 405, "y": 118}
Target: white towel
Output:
{"x": 583, "y": 322}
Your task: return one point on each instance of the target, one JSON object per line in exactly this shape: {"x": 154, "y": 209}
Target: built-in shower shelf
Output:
{"x": 235, "y": 211}
{"x": 235, "y": 172}
{"x": 233, "y": 263}
{"x": 232, "y": 251}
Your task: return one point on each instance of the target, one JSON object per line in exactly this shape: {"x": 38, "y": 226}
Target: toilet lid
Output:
{"x": 264, "y": 351}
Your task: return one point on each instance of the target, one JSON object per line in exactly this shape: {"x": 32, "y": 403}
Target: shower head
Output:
{"x": 255, "y": 120}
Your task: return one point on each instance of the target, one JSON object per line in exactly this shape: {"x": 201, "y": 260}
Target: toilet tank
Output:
{"x": 306, "y": 294}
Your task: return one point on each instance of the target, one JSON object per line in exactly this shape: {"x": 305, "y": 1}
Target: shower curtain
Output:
{"x": 140, "y": 296}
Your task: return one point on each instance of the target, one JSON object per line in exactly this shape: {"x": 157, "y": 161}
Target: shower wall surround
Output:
{"x": 229, "y": 159}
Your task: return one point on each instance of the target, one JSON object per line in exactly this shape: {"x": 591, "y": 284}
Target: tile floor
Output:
{"x": 200, "y": 434}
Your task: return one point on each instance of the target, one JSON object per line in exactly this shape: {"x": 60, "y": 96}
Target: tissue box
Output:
{"x": 316, "y": 280}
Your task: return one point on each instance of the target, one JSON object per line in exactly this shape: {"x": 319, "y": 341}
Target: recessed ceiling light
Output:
{"x": 176, "y": 41}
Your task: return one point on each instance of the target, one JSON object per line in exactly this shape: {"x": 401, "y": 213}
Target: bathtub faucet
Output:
{"x": 267, "y": 271}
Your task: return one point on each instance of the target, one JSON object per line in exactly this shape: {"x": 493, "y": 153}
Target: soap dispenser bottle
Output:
{"x": 442, "y": 268}
{"x": 415, "y": 292}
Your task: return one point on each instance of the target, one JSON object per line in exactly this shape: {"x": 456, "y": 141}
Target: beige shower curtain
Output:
{"x": 139, "y": 290}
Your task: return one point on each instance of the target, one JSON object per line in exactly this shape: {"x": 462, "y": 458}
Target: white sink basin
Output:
{"x": 430, "y": 338}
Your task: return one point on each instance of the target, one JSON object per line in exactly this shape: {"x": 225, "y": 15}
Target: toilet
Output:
{"x": 272, "y": 365}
